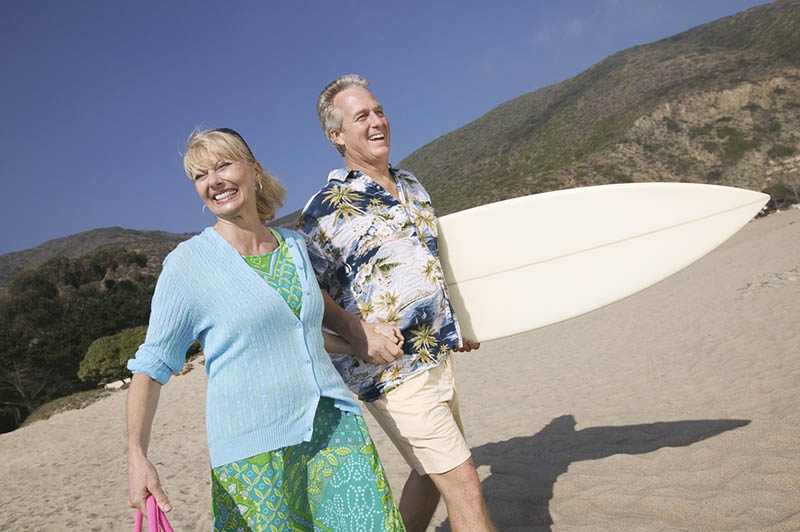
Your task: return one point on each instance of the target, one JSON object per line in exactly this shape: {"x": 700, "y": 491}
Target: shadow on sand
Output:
{"x": 529, "y": 466}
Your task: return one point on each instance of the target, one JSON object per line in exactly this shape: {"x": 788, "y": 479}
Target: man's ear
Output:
{"x": 337, "y": 137}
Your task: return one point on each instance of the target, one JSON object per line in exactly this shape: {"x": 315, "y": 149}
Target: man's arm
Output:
{"x": 376, "y": 343}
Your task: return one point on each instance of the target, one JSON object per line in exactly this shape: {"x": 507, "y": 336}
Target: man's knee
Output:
{"x": 461, "y": 480}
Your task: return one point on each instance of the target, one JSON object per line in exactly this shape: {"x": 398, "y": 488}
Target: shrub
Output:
{"x": 714, "y": 175}
{"x": 778, "y": 151}
{"x": 781, "y": 195}
{"x": 106, "y": 357}
{"x": 699, "y": 131}
{"x": 672, "y": 125}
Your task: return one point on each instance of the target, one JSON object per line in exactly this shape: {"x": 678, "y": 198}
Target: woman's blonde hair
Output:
{"x": 205, "y": 147}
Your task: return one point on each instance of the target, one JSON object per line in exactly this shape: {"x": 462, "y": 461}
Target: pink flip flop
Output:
{"x": 156, "y": 519}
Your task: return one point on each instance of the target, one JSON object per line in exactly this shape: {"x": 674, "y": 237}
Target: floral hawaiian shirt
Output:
{"x": 379, "y": 259}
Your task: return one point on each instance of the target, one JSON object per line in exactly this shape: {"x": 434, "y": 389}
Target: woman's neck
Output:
{"x": 249, "y": 237}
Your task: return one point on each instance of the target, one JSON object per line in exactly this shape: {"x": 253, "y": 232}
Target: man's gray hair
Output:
{"x": 329, "y": 117}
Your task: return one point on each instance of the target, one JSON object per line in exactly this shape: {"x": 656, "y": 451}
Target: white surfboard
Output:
{"x": 528, "y": 262}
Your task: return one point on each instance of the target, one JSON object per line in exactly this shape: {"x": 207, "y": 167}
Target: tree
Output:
{"x": 53, "y": 314}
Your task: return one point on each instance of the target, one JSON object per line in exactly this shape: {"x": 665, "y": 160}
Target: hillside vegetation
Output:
{"x": 719, "y": 103}
{"x": 152, "y": 243}
{"x": 54, "y": 312}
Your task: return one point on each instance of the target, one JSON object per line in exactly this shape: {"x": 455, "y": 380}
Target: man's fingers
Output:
{"x": 390, "y": 331}
{"x": 468, "y": 345}
{"x": 389, "y": 353}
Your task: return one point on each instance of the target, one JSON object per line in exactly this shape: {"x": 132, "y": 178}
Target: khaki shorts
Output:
{"x": 421, "y": 418}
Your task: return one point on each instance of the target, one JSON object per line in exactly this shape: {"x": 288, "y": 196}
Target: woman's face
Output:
{"x": 228, "y": 188}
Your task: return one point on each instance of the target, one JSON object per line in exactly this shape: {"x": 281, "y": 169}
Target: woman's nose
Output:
{"x": 214, "y": 178}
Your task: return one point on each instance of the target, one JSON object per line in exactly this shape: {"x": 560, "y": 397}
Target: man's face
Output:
{"x": 365, "y": 130}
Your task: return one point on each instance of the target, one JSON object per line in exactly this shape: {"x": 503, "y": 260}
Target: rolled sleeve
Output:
{"x": 170, "y": 331}
{"x": 147, "y": 362}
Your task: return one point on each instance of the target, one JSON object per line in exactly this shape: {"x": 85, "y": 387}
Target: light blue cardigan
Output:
{"x": 266, "y": 369}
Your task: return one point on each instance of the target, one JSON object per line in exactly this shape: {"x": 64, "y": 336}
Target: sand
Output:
{"x": 674, "y": 409}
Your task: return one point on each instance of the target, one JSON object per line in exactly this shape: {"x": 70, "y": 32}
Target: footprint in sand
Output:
{"x": 773, "y": 281}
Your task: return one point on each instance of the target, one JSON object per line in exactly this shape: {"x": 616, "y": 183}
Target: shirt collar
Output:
{"x": 343, "y": 174}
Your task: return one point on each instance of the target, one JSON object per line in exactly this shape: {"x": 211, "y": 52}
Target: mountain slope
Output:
{"x": 718, "y": 103}
{"x": 152, "y": 243}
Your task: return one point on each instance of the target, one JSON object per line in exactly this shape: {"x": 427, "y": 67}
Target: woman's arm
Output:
{"x": 336, "y": 344}
{"x": 141, "y": 405}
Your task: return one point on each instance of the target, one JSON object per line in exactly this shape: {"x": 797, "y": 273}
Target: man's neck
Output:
{"x": 378, "y": 172}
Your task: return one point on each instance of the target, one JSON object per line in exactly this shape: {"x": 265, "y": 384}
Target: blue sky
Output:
{"x": 98, "y": 97}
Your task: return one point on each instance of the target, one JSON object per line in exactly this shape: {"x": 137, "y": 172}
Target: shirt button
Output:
{"x": 299, "y": 325}
{"x": 308, "y": 362}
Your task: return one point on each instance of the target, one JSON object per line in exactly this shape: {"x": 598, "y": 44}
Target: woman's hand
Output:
{"x": 142, "y": 481}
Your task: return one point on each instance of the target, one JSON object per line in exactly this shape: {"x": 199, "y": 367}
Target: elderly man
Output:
{"x": 372, "y": 238}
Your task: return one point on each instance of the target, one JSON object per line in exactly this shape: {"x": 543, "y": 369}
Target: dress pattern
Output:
{"x": 278, "y": 269}
{"x": 334, "y": 483}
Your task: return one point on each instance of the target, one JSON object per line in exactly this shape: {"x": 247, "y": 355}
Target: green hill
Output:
{"x": 154, "y": 244}
{"x": 719, "y": 103}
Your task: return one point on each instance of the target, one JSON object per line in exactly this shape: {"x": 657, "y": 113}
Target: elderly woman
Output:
{"x": 288, "y": 446}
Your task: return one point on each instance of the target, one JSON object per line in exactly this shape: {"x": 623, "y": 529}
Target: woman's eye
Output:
{"x": 223, "y": 164}
{"x": 199, "y": 176}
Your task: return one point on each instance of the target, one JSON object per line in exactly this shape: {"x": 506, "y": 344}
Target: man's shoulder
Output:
{"x": 411, "y": 181}
{"x": 316, "y": 206}
{"x": 324, "y": 202}
{"x": 399, "y": 173}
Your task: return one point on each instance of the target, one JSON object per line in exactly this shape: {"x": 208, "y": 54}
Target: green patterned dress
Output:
{"x": 335, "y": 482}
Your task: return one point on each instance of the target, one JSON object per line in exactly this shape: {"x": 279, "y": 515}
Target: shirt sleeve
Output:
{"x": 319, "y": 249}
{"x": 170, "y": 331}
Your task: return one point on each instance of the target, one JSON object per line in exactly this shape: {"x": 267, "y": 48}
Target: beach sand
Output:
{"x": 674, "y": 409}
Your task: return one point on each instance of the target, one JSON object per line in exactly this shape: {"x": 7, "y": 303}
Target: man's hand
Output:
{"x": 468, "y": 345}
{"x": 377, "y": 343}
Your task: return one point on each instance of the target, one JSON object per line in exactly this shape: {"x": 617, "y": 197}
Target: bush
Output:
{"x": 781, "y": 195}
{"x": 779, "y": 151}
{"x": 106, "y": 357}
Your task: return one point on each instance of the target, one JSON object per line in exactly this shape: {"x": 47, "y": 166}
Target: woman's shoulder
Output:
{"x": 189, "y": 250}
